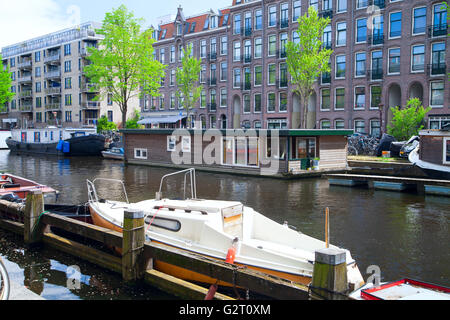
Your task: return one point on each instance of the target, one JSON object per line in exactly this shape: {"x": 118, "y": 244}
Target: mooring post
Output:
{"x": 330, "y": 275}
{"x": 34, "y": 208}
{"x": 133, "y": 267}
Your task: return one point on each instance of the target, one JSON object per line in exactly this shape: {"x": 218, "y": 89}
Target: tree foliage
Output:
{"x": 5, "y": 87}
{"x": 133, "y": 123}
{"x": 104, "y": 125}
{"x": 408, "y": 122}
{"x": 189, "y": 91}
{"x": 307, "y": 59}
{"x": 124, "y": 65}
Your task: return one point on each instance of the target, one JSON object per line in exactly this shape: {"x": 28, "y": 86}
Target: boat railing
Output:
{"x": 193, "y": 183}
{"x": 92, "y": 191}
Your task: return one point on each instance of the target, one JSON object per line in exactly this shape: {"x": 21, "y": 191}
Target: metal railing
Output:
{"x": 193, "y": 183}
{"x": 92, "y": 191}
{"x": 437, "y": 30}
{"x": 435, "y": 69}
{"x": 24, "y": 79}
{"x": 53, "y": 91}
{"x": 52, "y": 58}
{"x": 52, "y": 74}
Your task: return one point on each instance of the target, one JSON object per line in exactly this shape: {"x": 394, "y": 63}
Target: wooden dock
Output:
{"x": 138, "y": 260}
{"x": 417, "y": 185}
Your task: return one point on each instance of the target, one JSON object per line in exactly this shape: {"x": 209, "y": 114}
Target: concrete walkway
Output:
{"x": 19, "y": 292}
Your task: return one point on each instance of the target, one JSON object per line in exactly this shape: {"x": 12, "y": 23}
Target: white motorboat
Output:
{"x": 212, "y": 227}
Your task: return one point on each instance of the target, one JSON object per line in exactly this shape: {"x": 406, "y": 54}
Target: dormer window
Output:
{"x": 193, "y": 27}
{"x": 179, "y": 29}
{"x": 214, "y": 21}
{"x": 163, "y": 33}
{"x": 206, "y": 24}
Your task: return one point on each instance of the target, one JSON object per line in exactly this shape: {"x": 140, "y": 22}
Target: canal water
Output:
{"x": 405, "y": 235}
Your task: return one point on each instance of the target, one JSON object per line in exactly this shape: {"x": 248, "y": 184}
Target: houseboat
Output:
{"x": 57, "y": 141}
{"x": 276, "y": 153}
{"x": 432, "y": 155}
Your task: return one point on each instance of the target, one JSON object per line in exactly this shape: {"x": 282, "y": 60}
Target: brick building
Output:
{"x": 385, "y": 51}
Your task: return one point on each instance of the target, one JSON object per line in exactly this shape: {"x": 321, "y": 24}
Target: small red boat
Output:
{"x": 406, "y": 289}
{"x": 10, "y": 184}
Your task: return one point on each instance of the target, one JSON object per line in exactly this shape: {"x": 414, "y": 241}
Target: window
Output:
{"x": 272, "y": 74}
{"x": 284, "y": 15}
{"x": 68, "y": 116}
{"x": 140, "y": 154}
{"x": 395, "y": 25}
{"x": 272, "y": 45}
{"x": 203, "y": 49}
{"x": 171, "y": 144}
{"x": 37, "y": 56}
{"x": 258, "y": 48}
{"x": 340, "y": 66}
{"x": 339, "y": 124}
{"x": 378, "y": 30}
{"x": 361, "y": 4}
{"x": 341, "y": 34}
{"x": 283, "y": 75}
{"x": 212, "y": 121}
{"x": 203, "y": 99}
{"x": 68, "y": 66}
{"x": 274, "y": 124}
{"x": 375, "y": 97}
{"x": 314, "y": 4}
{"x": 283, "y": 41}
{"x": 418, "y": 58}
{"x": 247, "y": 107}
{"x": 224, "y": 45}
{"x": 439, "y": 20}
{"x": 283, "y": 102}
{"x": 377, "y": 65}
{"x": 326, "y": 39}
{"x": 325, "y": 100}
{"x": 172, "y": 100}
{"x": 172, "y": 54}
{"x": 297, "y": 10}
{"x": 258, "y": 103}
{"x": 172, "y": 77}
{"x": 272, "y": 16}
{"x": 271, "y": 102}
{"x": 325, "y": 124}
{"x": 248, "y": 51}
{"x": 394, "y": 60}
{"x": 361, "y": 30}
{"x": 68, "y": 99}
{"x": 360, "y": 61}
{"x": 223, "y": 71}
{"x": 236, "y": 78}
{"x": 68, "y": 83}
{"x": 223, "y": 98}
{"x": 296, "y": 38}
{"x": 38, "y": 72}
{"x": 213, "y": 48}
{"x": 305, "y": 148}
{"x": 258, "y": 75}
{"x": 438, "y": 65}
{"x": 419, "y": 20}
{"x": 203, "y": 74}
{"x": 38, "y": 87}
{"x": 360, "y": 126}
{"x": 341, "y": 5}
{"x": 438, "y": 122}
{"x": 446, "y": 151}
{"x": 236, "y": 51}
{"x": 258, "y": 20}
{"x": 248, "y": 23}
{"x": 360, "y": 98}
{"x": 437, "y": 94}
{"x": 375, "y": 128}
{"x": 237, "y": 24}
{"x": 339, "y": 103}
{"x": 67, "y": 49}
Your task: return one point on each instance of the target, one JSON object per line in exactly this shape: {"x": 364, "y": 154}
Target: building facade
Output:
{"x": 49, "y": 84}
{"x": 384, "y": 53}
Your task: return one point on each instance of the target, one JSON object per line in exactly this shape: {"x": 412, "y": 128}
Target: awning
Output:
{"x": 9, "y": 120}
{"x": 161, "y": 119}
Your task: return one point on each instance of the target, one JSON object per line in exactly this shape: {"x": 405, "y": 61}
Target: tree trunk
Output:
{"x": 305, "y": 111}
{"x": 124, "y": 110}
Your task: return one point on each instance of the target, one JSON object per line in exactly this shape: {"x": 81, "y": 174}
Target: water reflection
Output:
{"x": 404, "y": 234}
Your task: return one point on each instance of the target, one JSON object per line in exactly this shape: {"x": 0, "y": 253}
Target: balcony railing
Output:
{"x": 212, "y": 56}
{"x": 379, "y": 3}
{"x": 53, "y": 91}
{"x": 246, "y": 86}
{"x": 212, "y": 107}
{"x": 282, "y": 53}
{"x": 26, "y": 94}
{"x": 326, "y": 78}
{"x": 247, "y": 31}
{"x": 90, "y": 104}
{"x": 436, "y": 69}
{"x": 24, "y": 64}
{"x": 247, "y": 58}
{"x": 282, "y": 83}
{"x": 284, "y": 23}
{"x": 326, "y": 13}
{"x": 212, "y": 81}
{"x": 26, "y": 108}
{"x": 327, "y": 45}
{"x": 438, "y": 30}
{"x": 53, "y": 106}
{"x": 375, "y": 39}
{"x": 90, "y": 87}
{"x": 52, "y": 58}
{"x": 24, "y": 79}
{"x": 52, "y": 74}
{"x": 375, "y": 74}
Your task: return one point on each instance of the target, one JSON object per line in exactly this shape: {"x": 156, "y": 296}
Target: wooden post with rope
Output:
{"x": 34, "y": 209}
{"x": 133, "y": 264}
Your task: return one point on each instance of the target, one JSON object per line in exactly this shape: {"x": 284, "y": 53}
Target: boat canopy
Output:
{"x": 162, "y": 119}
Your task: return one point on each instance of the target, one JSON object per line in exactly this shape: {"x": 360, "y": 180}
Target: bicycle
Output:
{"x": 4, "y": 282}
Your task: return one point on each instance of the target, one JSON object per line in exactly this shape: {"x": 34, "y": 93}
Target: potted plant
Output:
{"x": 315, "y": 164}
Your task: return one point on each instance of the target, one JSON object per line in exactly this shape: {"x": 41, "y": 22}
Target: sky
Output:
{"x": 21, "y": 20}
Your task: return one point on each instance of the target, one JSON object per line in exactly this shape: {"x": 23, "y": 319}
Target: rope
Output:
{"x": 154, "y": 216}
{"x": 37, "y": 222}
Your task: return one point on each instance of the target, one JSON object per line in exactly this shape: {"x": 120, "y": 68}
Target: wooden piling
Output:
{"x": 133, "y": 264}
{"x": 330, "y": 275}
{"x": 34, "y": 207}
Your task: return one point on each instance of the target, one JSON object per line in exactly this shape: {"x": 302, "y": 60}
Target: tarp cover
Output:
{"x": 161, "y": 119}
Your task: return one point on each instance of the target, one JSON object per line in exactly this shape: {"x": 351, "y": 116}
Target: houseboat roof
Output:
{"x": 441, "y": 133}
{"x": 238, "y": 132}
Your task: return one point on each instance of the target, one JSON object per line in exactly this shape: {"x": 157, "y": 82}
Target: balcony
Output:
{"x": 326, "y": 13}
{"x": 53, "y": 106}
{"x": 437, "y": 69}
{"x": 437, "y": 30}
{"x": 375, "y": 39}
{"x": 26, "y": 94}
{"x": 53, "y": 91}
{"x": 284, "y": 23}
{"x": 90, "y": 104}
{"x": 25, "y": 79}
{"x": 247, "y": 58}
{"x": 26, "y": 108}
{"x": 52, "y": 58}
{"x": 24, "y": 64}
{"x": 91, "y": 87}
{"x": 375, "y": 74}
{"x": 247, "y": 31}
{"x": 378, "y": 3}
{"x": 52, "y": 74}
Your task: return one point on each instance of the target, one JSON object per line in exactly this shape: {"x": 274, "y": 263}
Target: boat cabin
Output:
{"x": 49, "y": 134}
{"x": 435, "y": 147}
{"x": 254, "y": 152}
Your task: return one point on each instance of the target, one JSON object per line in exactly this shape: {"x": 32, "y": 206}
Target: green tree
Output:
{"x": 124, "y": 65}
{"x": 189, "y": 91}
{"x": 5, "y": 87}
{"x": 409, "y": 121}
{"x": 104, "y": 125}
{"x": 133, "y": 123}
{"x": 307, "y": 59}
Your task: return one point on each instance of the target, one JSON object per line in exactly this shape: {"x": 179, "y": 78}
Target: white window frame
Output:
{"x": 335, "y": 100}
{"x": 389, "y": 61}
{"x": 337, "y": 34}
{"x": 412, "y": 21}
{"x": 389, "y": 31}
{"x": 141, "y": 151}
{"x": 169, "y": 142}
{"x": 444, "y": 160}
{"x": 335, "y": 66}
{"x": 430, "y": 94}
{"x": 354, "y": 97}
{"x": 321, "y": 100}
{"x": 412, "y": 57}
{"x": 365, "y": 65}
{"x": 275, "y": 101}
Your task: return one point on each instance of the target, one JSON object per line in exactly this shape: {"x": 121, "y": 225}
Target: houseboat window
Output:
{"x": 305, "y": 148}
{"x": 51, "y": 135}
{"x": 37, "y": 137}
{"x": 171, "y": 225}
{"x": 447, "y": 150}
{"x": 228, "y": 151}
{"x": 171, "y": 144}
{"x": 24, "y": 137}
{"x": 253, "y": 152}
{"x": 140, "y": 154}
{"x": 186, "y": 144}
{"x": 241, "y": 151}
{"x": 280, "y": 152}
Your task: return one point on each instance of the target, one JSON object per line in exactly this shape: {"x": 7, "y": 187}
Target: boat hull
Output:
{"x": 91, "y": 145}
{"x": 433, "y": 171}
{"x": 190, "y": 275}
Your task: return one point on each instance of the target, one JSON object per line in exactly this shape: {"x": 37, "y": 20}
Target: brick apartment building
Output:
{"x": 385, "y": 52}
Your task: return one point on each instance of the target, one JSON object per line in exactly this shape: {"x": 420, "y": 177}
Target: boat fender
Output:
{"x": 231, "y": 256}
{"x": 212, "y": 292}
